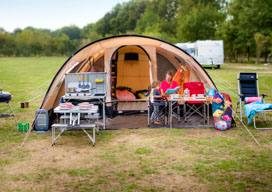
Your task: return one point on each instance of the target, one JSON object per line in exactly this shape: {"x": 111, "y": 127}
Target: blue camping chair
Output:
{"x": 248, "y": 86}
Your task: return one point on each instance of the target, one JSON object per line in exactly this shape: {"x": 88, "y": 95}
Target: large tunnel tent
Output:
{"x": 129, "y": 60}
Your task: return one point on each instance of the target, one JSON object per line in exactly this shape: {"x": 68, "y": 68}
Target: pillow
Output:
{"x": 124, "y": 95}
{"x": 253, "y": 99}
{"x": 141, "y": 94}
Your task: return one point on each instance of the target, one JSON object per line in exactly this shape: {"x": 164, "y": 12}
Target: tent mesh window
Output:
{"x": 131, "y": 57}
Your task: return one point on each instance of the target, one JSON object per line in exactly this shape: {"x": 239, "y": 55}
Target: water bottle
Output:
{"x": 186, "y": 92}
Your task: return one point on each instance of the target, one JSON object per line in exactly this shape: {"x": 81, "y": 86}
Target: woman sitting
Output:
{"x": 168, "y": 83}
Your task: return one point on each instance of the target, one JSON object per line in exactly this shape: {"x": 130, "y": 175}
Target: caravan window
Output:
{"x": 191, "y": 51}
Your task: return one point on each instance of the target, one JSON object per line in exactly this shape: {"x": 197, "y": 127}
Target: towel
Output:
{"x": 251, "y": 108}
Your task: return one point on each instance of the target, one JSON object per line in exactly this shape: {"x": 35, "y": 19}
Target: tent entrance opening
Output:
{"x": 130, "y": 69}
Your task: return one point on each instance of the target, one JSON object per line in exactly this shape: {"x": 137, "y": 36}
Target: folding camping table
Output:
{"x": 182, "y": 101}
{"x": 98, "y": 97}
{"x": 66, "y": 126}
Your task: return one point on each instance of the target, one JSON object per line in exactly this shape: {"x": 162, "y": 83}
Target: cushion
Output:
{"x": 124, "y": 95}
{"x": 253, "y": 99}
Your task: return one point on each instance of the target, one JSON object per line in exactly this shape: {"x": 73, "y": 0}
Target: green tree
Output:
{"x": 159, "y": 20}
{"x": 89, "y": 33}
{"x": 245, "y": 18}
{"x": 17, "y": 30}
{"x": 260, "y": 40}
{"x": 7, "y": 44}
{"x": 122, "y": 18}
{"x": 72, "y": 31}
{"x": 103, "y": 25}
{"x": 199, "y": 23}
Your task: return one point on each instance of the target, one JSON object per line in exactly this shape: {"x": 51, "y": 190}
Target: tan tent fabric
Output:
{"x": 154, "y": 54}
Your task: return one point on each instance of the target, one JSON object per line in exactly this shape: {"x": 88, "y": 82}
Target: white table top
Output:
{"x": 82, "y": 97}
{"x": 76, "y": 109}
{"x": 183, "y": 99}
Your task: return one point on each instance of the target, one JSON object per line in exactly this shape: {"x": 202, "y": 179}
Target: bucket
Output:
{"x": 22, "y": 104}
{"x": 26, "y": 104}
{"x": 24, "y": 127}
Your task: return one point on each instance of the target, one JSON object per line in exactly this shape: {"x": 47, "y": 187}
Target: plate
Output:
{"x": 64, "y": 108}
{"x": 84, "y": 108}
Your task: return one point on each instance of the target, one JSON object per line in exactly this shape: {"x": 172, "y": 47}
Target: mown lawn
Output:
{"x": 196, "y": 159}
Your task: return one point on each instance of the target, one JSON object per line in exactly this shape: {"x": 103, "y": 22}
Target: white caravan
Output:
{"x": 209, "y": 52}
{"x": 206, "y": 52}
{"x": 188, "y": 47}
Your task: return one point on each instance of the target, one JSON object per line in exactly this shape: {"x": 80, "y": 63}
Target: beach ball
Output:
{"x": 221, "y": 125}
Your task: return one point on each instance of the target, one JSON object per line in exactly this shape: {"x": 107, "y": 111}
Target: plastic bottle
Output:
{"x": 186, "y": 92}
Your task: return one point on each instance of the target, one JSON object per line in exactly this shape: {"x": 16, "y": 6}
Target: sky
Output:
{"x": 52, "y": 14}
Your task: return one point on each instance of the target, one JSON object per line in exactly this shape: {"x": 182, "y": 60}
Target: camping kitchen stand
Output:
{"x": 88, "y": 86}
{"x": 82, "y": 87}
{"x": 92, "y": 115}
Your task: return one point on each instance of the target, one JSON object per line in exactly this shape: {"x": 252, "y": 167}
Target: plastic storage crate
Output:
{"x": 24, "y": 127}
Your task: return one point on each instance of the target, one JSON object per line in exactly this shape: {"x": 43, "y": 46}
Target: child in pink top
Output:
{"x": 168, "y": 83}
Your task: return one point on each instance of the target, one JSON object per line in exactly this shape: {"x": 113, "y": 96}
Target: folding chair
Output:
{"x": 247, "y": 87}
{"x": 194, "y": 107}
{"x": 161, "y": 113}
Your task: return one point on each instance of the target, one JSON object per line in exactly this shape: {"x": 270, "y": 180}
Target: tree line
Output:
{"x": 244, "y": 25}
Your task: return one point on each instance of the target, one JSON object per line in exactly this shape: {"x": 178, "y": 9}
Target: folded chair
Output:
{"x": 247, "y": 87}
{"x": 194, "y": 107}
{"x": 161, "y": 113}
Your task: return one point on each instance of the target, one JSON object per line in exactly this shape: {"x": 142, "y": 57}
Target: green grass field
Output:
{"x": 196, "y": 159}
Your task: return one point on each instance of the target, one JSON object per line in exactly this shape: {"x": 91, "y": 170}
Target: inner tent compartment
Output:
{"x": 130, "y": 68}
